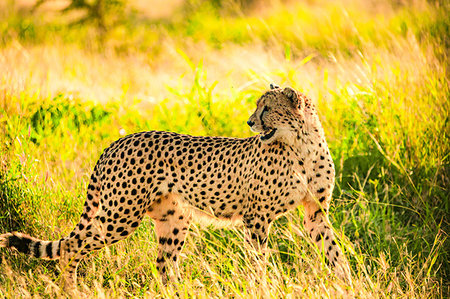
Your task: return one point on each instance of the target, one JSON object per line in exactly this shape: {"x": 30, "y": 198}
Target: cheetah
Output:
{"x": 171, "y": 177}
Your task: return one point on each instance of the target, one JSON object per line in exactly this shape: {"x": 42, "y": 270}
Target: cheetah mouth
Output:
{"x": 268, "y": 135}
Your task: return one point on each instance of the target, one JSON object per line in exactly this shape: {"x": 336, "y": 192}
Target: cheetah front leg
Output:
{"x": 319, "y": 229}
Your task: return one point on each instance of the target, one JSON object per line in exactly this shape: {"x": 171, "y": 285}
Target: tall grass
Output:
{"x": 378, "y": 73}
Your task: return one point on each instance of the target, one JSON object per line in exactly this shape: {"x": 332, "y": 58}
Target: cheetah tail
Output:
{"x": 31, "y": 246}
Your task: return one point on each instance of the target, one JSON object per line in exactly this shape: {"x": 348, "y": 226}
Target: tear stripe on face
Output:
{"x": 261, "y": 117}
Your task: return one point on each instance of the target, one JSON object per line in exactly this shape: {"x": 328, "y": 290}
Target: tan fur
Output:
{"x": 174, "y": 178}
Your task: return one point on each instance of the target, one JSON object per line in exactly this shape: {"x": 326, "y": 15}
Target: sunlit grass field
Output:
{"x": 377, "y": 70}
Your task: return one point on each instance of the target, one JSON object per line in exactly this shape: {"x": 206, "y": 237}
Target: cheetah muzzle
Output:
{"x": 266, "y": 136}
{"x": 170, "y": 177}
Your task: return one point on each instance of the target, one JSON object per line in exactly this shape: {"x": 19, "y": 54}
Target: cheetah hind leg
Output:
{"x": 257, "y": 228}
{"x": 319, "y": 229}
{"x": 171, "y": 226}
{"x": 256, "y": 233}
{"x": 86, "y": 237}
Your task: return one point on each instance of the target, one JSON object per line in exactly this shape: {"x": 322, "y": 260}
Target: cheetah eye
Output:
{"x": 265, "y": 109}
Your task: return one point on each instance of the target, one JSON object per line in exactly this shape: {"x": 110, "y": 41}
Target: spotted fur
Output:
{"x": 170, "y": 177}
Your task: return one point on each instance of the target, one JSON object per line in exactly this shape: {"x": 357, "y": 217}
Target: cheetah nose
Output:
{"x": 250, "y": 123}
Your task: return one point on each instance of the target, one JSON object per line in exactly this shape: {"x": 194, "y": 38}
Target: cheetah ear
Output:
{"x": 274, "y": 86}
{"x": 292, "y": 95}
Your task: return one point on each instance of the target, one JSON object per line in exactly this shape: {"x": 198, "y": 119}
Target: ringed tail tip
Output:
{"x": 4, "y": 239}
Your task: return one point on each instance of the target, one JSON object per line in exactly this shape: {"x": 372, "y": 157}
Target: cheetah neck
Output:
{"x": 310, "y": 135}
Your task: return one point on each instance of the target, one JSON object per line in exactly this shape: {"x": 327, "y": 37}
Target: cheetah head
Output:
{"x": 278, "y": 115}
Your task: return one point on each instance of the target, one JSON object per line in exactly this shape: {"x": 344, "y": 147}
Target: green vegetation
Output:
{"x": 378, "y": 73}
